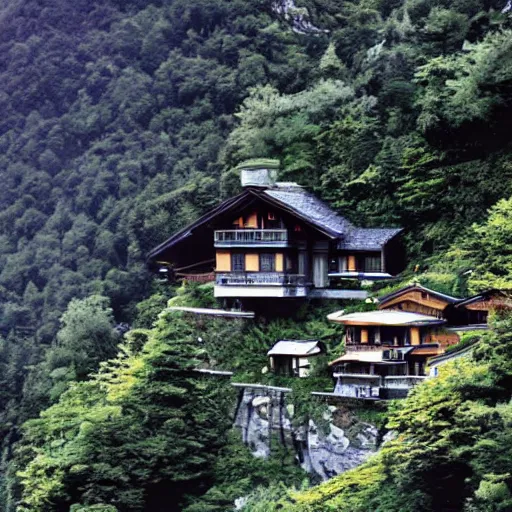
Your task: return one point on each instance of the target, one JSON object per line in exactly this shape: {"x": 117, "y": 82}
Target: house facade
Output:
{"x": 386, "y": 352}
{"x": 277, "y": 240}
{"x": 473, "y": 312}
{"x": 390, "y": 350}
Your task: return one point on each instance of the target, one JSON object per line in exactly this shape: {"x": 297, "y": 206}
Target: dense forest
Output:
{"x": 123, "y": 121}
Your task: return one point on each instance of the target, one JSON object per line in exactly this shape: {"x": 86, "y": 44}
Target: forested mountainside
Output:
{"x": 123, "y": 121}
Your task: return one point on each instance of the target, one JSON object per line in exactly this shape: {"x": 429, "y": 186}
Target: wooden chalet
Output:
{"x": 418, "y": 299}
{"x": 278, "y": 240}
{"x": 461, "y": 314}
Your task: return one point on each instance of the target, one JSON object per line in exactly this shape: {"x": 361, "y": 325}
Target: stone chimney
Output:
{"x": 259, "y": 173}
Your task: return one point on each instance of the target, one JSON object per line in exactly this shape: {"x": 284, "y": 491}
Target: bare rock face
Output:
{"x": 333, "y": 452}
{"x": 342, "y": 442}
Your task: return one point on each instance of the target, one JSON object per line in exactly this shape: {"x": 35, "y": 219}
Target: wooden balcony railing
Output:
{"x": 230, "y": 237}
{"x": 259, "y": 279}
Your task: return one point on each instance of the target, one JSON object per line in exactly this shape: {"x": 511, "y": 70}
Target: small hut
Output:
{"x": 290, "y": 358}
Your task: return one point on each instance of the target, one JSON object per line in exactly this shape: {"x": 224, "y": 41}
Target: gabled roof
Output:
{"x": 302, "y": 204}
{"x": 213, "y": 312}
{"x": 187, "y": 231}
{"x": 296, "y": 348}
{"x": 441, "y": 296}
{"x": 310, "y": 208}
{"x": 480, "y": 297}
{"x": 384, "y": 317}
{"x": 367, "y": 239}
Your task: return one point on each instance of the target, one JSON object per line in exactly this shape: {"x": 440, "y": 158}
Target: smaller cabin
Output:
{"x": 434, "y": 363}
{"x": 386, "y": 352}
{"x": 289, "y": 358}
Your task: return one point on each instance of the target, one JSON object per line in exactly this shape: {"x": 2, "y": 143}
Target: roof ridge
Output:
{"x": 404, "y": 289}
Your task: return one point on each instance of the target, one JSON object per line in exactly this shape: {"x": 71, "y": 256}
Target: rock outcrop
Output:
{"x": 341, "y": 443}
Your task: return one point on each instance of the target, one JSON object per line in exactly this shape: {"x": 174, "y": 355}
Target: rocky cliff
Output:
{"x": 339, "y": 442}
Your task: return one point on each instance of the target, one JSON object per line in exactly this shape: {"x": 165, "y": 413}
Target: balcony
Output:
{"x": 403, "y": 381}
{"x": 251, "y": 237}
{"x": 372, "y": 273}
{"x": 260, "y": 284}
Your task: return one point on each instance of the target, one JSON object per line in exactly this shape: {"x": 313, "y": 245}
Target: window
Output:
{"x": 238, "y": 262}
{"x": 372, "y": 264}
{"x": 333, "y": 265}
{"x": 267, "y": 262}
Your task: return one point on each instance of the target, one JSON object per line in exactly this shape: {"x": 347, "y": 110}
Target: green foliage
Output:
{"x": 139, "y": 436}
{"x": 467, "y": 339}
{"x": 479, "y": 259}
{"x": 238, "y": 473}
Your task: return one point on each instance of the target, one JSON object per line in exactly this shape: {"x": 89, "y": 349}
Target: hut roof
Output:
{"x": 367, "y": 239}
{"x": 298, "y": 348}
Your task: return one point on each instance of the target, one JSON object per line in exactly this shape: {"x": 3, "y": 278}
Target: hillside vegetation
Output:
{"x": 123, "y": 121}
{"x": 452, "y": 450}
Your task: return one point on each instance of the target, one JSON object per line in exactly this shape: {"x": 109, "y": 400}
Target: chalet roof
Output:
{"x": 371, "y": 356}
{"x": 298, "y": 202}
{"x": 309, "y": 207}
{"x": 187, "y": 231}
{"x": 367, "y": 239}
{"x": 453, "y": 354}
{"x": 442, "y": 296}
{"x": 296, "y": 348}
{"x": 384, "y": 317}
